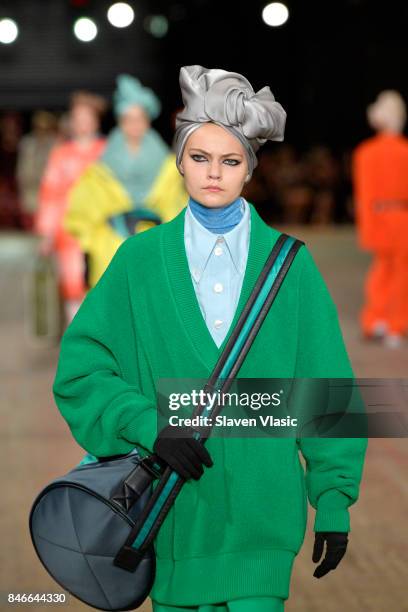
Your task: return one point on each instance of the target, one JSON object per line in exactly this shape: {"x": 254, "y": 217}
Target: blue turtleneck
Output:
{"x": 217, "y": 220}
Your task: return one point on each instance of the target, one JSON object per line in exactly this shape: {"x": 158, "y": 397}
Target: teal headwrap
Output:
{"x": 130, "y": 92}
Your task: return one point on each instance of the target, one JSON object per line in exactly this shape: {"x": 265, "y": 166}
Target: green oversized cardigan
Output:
{"x": 236, "y": 531}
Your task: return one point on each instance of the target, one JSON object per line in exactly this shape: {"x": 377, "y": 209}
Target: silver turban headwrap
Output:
{"x": 227, "y": 99}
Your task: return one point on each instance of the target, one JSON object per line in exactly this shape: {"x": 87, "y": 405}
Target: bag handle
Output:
{"x": 257, "y": 307}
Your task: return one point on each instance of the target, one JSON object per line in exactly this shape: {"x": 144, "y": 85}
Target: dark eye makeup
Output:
{"x": 236, "y": 162}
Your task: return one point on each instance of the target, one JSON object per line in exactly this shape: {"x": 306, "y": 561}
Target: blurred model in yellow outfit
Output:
{"x": 133, "y": 186}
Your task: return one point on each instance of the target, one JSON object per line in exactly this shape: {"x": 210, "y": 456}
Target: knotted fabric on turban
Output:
{"x": 130, "y": 92}
{"x": 227, "y": 99}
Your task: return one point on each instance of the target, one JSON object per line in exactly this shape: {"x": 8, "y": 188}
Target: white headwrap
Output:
{"x": 388, "y": 112}
{"x": 227, "y": 99}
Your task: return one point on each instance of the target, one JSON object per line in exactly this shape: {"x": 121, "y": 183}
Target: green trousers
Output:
{"x": 247, "y": 604}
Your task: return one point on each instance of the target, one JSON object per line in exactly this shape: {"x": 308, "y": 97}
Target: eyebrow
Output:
{"x": 206, "y": 152}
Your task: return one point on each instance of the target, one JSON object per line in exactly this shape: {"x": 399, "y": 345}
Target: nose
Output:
{"x": 214, "y": 171}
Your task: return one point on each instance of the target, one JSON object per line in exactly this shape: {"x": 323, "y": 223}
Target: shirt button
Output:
{"x": 218, "y": 323}
{"x": 218, "y": 251}
{"x": 196, "y": 274}
{"x": 220, "y": 239}
{"x": 218, "y": 287}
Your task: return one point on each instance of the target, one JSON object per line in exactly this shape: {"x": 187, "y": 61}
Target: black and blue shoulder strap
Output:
{"x": 253, "y": 314}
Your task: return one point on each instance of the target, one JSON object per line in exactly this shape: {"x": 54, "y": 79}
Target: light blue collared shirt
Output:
{"x": 217, "y": 265}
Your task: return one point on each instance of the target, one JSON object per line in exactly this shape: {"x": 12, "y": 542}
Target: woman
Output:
{"x": 165, "y": 308}
{"x": 380, "y": 173}
{"x": 135, "y": 178}
{"x": 65, "y": 165}
{"x": 33, "y": 153}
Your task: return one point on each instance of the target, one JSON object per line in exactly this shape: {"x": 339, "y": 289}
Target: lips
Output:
{"x": 213, "y": 188}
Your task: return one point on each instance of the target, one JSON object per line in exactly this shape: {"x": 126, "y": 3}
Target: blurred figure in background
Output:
{"x": 294, "y": 195}
{"x": 66, "y": 163}
{"x": 278, "y": 186}
{"x": 345, "y": 209}
{"x": 380, "y": 175}
{"x": 256, "y": 190}
{"x": 33, "y": 153}
{"x": 10, "y": 134}
{"x": 323, "y": 178}
{"x": 64, "y": 127}
{"x": 133, "y": 186}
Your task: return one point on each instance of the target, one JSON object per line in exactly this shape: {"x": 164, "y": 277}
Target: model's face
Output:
{"x": 84, "y": 121}
{"x": 134, "y": 123}
{"x": 213, "y": 157}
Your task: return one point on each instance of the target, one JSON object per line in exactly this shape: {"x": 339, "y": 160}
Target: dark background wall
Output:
{"x": 324, "y": 65}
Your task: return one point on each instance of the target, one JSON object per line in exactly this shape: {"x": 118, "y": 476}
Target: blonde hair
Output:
{"x": 96, "y": 102}
{"x": 388, "y": 112}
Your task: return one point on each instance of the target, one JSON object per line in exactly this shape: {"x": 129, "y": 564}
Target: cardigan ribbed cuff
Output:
{"x": 332, "y": 512}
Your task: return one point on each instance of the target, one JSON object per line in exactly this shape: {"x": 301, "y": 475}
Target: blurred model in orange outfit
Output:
{"x": 66, "y": 163}
{"x": 380, "y": 176}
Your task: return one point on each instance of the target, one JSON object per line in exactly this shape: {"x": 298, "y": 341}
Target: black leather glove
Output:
{"x": 336, "y": 549}
{"x": 183, "y": 454}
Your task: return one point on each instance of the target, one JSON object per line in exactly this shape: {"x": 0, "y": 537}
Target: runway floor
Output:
{"x": 36, "y": 446}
